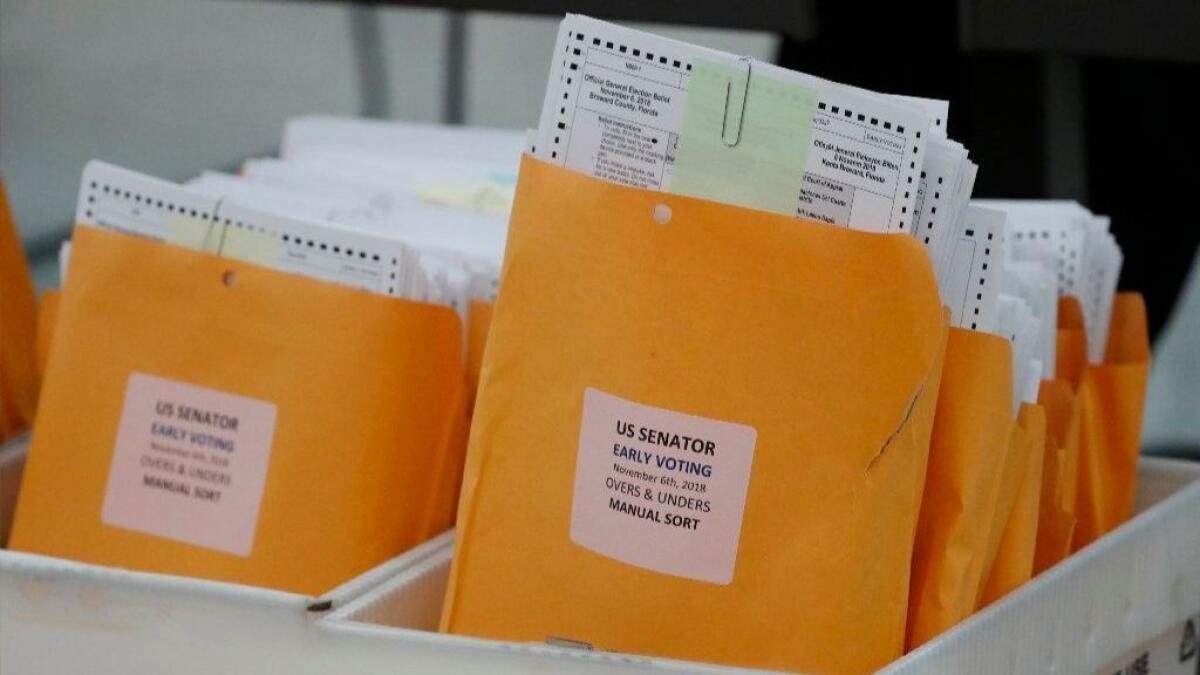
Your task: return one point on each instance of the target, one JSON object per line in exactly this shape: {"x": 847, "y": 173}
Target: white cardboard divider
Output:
{"x": 62, "y": 616}
{"x": 1137, "y": 583}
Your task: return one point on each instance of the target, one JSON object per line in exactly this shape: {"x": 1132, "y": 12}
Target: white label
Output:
{"x": 659, "y": 489}
{"x": 189, "y": 464}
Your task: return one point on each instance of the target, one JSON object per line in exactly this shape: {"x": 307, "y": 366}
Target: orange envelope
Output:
{"x": 1012, "y": 475}
{"x": 1061, "y": 466}
{"x": 1056, "y": 511}
{"x": 1013, "y": 563}
{"x": 1112, "y": 396}
{"x": 207, "y": 417}
{"x": 479, "y": 322}
{"x": 1071, "y": 354}
{"x": 446, "y": 477}
{"x": 966, "y": 460}
{"x": 47, "y": 313}
{"x": 18, "y": 321}
{"x": 701, "y": 432}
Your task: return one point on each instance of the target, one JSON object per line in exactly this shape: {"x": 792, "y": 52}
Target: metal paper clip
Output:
{"x": 215, "y": 222}
{"x": 741, "y": 112}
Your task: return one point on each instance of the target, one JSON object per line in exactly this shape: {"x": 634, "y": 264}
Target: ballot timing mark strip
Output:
{"x": 143, "y": 210}
{"x": 575, "y": 57}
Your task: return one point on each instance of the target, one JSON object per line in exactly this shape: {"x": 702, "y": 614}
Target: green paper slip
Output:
{"x": 240, "y": 243}
{"x": 764, "y": 168}
{"x": 198, "y": 234}
{"x": 252, "y": 246}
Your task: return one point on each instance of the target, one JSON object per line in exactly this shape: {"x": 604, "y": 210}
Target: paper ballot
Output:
{"x": 1016, "y": 322}
{"x": 411, "y": 211}
{"x": 456, "y": 206}
{"x": 970, "y": 283}
{"x": 938, "y": 110}
{"x": 459, "y": 245}
{"x": 1033, "y": 281}
{"x": 125, "y": 201}
{"x": 943, "y": 190}
{"x": 1086, "y": 258}
{"x": 642, "y": 110}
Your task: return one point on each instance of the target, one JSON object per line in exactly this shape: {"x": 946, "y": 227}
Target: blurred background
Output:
{"x": 1055, "y": 98}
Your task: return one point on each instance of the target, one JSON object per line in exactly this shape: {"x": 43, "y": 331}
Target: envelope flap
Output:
{"x": 1128, "y": 336}
{"x": 978, "y": 372}
{"x": 866, "y": 298}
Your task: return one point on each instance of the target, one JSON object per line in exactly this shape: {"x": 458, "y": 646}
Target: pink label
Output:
{"x": 660, "y": 489}
{"x": 189, "y": 464}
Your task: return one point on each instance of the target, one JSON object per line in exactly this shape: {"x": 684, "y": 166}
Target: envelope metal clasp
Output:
{"x": 735, "y": 111}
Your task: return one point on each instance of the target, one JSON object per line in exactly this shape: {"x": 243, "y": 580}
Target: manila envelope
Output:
{"x": 1060, "y": 475}
{"x": 448, "y": 469}
{"x": 47, "y": 312}
{"x": 1060, "y": 467}
{"x": 1112, "y": 396}
{"x": 479, "y": 319}
{"x": 479, "y": 322}
{"x": 1016, "y": 460}
{"x": 19, "y": 378}
{"x": 701, "y": 432}
{"x": 1070, "y": 358}
{"x": 1013, "y": 563}
{"x": 967, "y": 456}
{"x": 207, "y": 417}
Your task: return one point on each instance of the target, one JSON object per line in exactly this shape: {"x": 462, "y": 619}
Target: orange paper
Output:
{"x": 446, "y": 477}
{"x": 1071, "y": 354}
{"x": 450, "y": 467}
{"x": 967, "y": 456}
{"x": 809, "y": 352}
{"x": 47, "y": 314}
{"x": 1016, "y": 460}
{"x": 18, "y": 326}
{"x": 364, "y": 391}
{"x": 479, "y": 322}
{"x": 1013, "y": 564}
{"x": 1056, "y": 515}
{"x": 1112, "y": 396}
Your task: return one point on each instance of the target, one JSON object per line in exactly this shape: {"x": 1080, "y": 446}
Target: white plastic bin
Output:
{"x": 1123, "y": 602}
{"x": 1113, "y": 598}
{"x": 1085, "y": 614}
{"x": 61, "y": 616}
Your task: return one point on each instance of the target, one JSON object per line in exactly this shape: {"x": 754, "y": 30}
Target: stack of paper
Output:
{"x": 658, "y": 114}
{"x": 1081, "y": 252}
{"x": 410, "y": 211}
{"x": 654, "y": 113}
{"x": 643, "y": 110}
